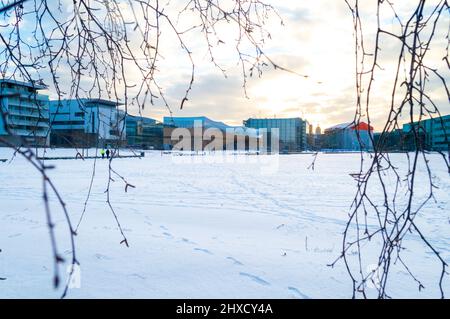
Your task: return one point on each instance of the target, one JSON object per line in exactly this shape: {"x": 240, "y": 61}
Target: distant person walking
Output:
{"x": 107, "y": 153}
{"x": 102, "y": 153}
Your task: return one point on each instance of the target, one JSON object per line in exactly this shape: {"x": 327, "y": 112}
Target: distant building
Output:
{"x": 25, "y": 110}
{"x": 189, "y": 122}
{"x": 86, "y": 123}
{"x": 314, "y": 139}
{"x": 430, "y": 134}
{"x": 434, "y": 134}
{"x": 310, "y": 138}
{"x": 319, "y": 142}
{"x": 233, "y": 137}
{"x": 349, "y": 137}
{"x": 292, "y": 131}
{"x": 318, "y": 130}
{"x": 144, "y": 132}
{"x": 390, "y": 141}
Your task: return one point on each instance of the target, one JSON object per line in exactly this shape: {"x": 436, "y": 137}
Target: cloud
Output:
{"x": 316, "y": 40}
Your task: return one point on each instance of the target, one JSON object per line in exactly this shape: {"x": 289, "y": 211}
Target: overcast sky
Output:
{"x": 316, "y": 39}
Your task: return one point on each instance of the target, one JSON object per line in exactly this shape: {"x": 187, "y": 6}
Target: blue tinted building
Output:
{"x": 25, "y": 113}
{"x": 190, "y": 122}
{"x": 349, "y": 137}
{"x": 144, "y": 132}
{"x": 292, "y": 131}
{"x": 233, "y": 137}
{"x": 434, "y": 134}
{"x": 86, "y": 123}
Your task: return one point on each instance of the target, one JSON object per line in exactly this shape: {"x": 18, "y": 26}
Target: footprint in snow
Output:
{"x": 235, "y": 261}
{"x": 204, "y": 251}
{"x": 255, "y": 278}
{"x": 102, "y": 257}
{"x": 298, "y": 293}
{"x": 167, "y": 234}
{"x": 137, "y": 276}
{"x": 187, "y": 241}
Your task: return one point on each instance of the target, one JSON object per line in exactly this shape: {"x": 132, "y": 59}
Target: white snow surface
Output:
{"x": 205, "y": 228}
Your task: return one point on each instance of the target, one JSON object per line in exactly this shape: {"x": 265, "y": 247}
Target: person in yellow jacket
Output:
{"x": 102, "y": 153}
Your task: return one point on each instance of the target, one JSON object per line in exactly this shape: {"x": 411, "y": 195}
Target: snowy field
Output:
{"x": 199, "y": 227}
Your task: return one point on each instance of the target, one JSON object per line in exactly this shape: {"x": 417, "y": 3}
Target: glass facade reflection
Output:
{"x": 292, "y": 131}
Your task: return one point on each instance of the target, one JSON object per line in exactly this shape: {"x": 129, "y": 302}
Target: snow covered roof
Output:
{"x": 136, "y": 118}
{"x": 206, "y": 123}
{"x": 361, "y": 126}
{"x": 35, "y": 85}
{"x": 340, "y": 126}
{"x": 188, "y": 122}
{"x": 89, "y": 102}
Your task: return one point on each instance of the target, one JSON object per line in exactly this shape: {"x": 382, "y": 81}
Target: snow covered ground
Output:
{"x": 201, "y": 227}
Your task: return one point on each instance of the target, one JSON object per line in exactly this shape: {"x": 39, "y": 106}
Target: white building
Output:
{"x": 86, "y": 123}
{"x": 24, "y": 116}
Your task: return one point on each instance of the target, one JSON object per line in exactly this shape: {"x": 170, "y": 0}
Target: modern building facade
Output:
{"x": 24, "y": 116}
{"x": 435, "y": 133}
{"x": 144, "y": 132}
{"x": 314, "y": 138}
{"x": 291, "y": 131}
{"x": 190, "y": 122}
{"x": 349, "y": 137}
{"x": 206, "y": 134}
{"x": 318, "y": 130}
{"x": 86, "y": 123}
{"x": 390, "y": 141}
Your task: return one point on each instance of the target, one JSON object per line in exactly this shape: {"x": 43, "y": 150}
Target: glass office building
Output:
{"x": 435, "y": 132}
{"x": 349, "y": 137}
{"x": 86, "y": 123}
{"x": 292, "y": 131}
{"x": 144, "y": 132}
{"x": 25, "y": 113}
{"x": 192, "y": 121}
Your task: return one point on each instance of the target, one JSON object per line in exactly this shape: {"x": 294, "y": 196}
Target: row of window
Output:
{"x": 441, "y": 136}
{"x": 27, "y": 111}
{"x": 28, "y": 127}
{"x": 68, "y": 122}
{"x": 17, "y": 88}
{"x": 440, "y": 128}
{"x": 441, "y": 143}
{"x": 77, "y": 114}
{"x": 27, "y": 118}
{"x": 28, "y": 103}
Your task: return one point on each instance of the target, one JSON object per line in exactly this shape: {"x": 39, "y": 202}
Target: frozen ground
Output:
{"x": 203, "y": 229}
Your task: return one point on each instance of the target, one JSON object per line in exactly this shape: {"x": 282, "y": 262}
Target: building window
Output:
{"x": 68, "y": 122}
